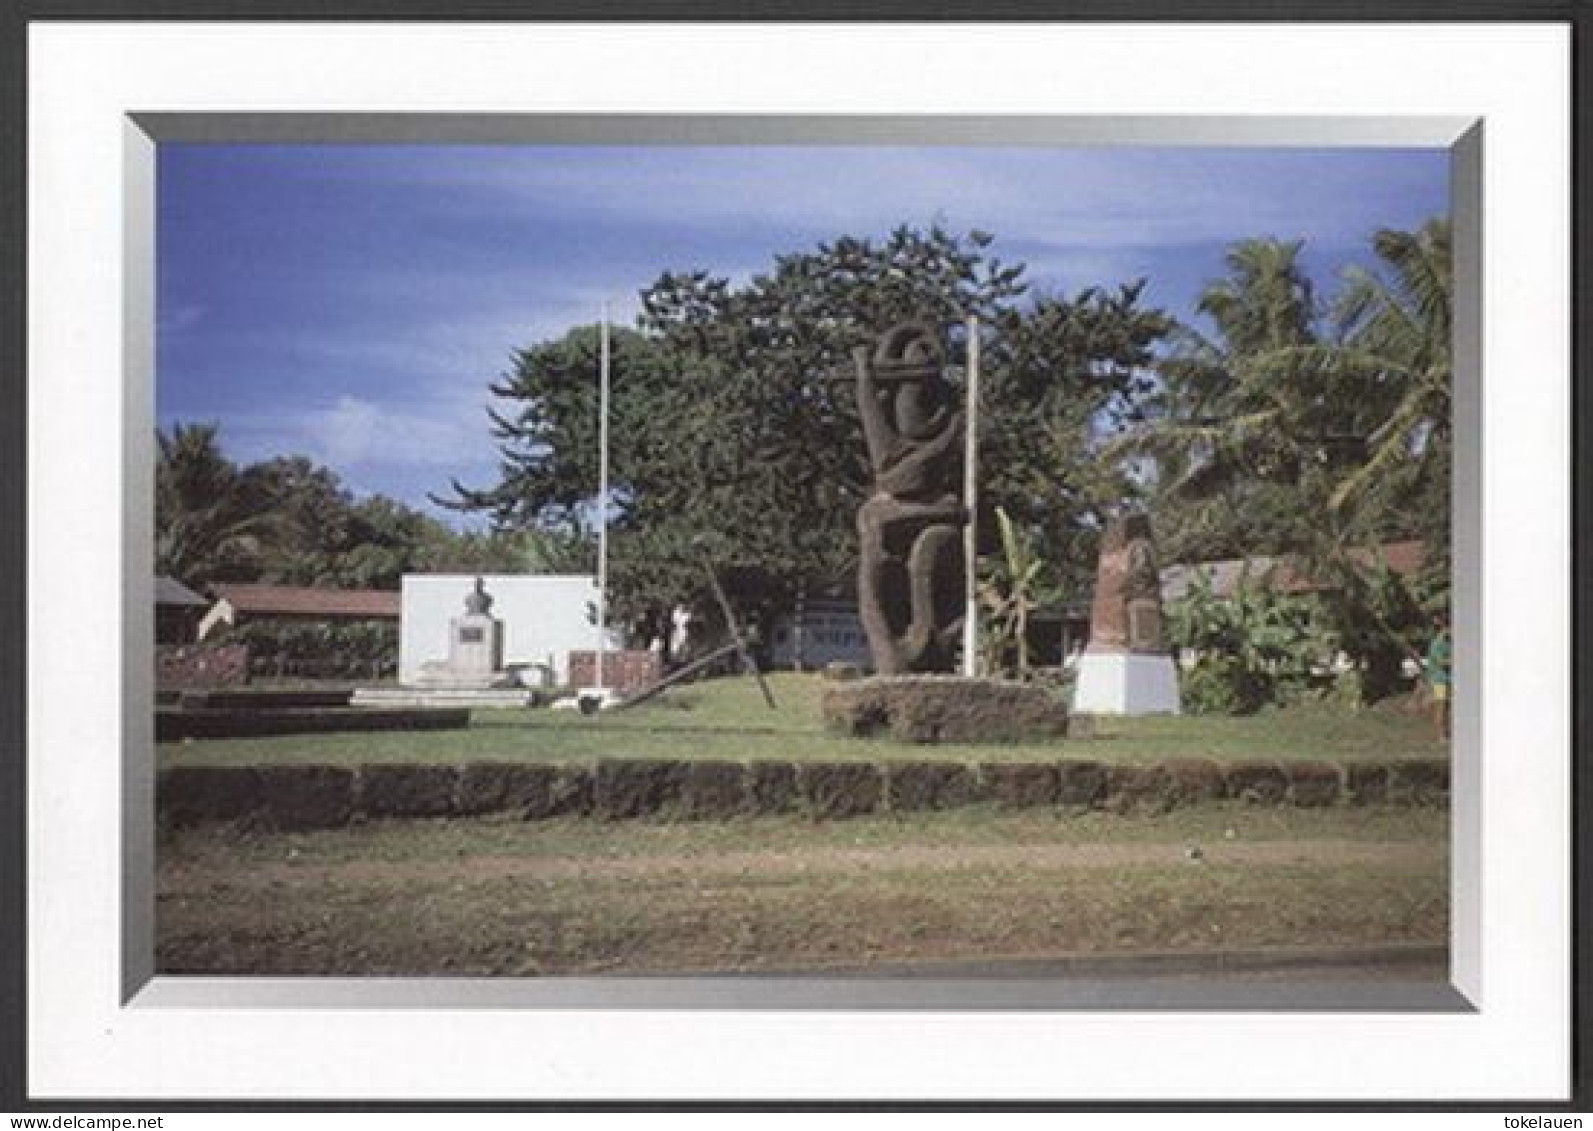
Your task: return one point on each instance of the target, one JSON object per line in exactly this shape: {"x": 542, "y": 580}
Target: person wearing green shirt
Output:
{"x": 1436, "y": 668}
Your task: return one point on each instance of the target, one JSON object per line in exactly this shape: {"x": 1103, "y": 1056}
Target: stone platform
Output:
{"x": 943, "y": 708}
{"x": 472, "y": 697}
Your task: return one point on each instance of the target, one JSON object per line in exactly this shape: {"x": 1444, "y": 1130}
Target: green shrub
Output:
{"x": 350, "y": 650}
{"x": 1251, "y": 650}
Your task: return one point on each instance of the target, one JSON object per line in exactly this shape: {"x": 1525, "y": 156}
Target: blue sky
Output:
{"x": 352, "y": 303}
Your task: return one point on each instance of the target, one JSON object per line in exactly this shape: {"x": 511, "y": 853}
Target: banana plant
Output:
{"x": 1248, "y": 647}
{"x": 1008, "y": 593}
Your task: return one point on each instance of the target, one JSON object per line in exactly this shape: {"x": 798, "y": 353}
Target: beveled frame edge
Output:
{"x": 142, "y": 988}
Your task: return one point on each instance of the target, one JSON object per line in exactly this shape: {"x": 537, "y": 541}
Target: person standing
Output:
{"x": 1437, "y": 669}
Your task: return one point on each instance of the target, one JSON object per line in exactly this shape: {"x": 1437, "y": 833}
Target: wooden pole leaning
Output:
{"x": 738, "y": 641}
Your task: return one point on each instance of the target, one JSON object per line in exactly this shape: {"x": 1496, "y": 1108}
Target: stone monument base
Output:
{"x": 1126, "y": 683}
{"x": 436, "y": 675}
{"x": 942, "y": 708}
{"x": 482, "y": 697}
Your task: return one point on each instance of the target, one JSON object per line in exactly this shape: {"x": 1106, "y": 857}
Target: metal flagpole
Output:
{"x": 970, "y": 486}
{"x": 602, "y": 493}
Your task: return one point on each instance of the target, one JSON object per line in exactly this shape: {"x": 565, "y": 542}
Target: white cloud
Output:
{"x": 353, "y": 434}
{"x": 1080, "y": 197}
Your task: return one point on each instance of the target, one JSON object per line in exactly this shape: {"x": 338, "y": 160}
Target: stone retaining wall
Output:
{"x": 309, "y": 797}
{"x": 172, "y": 724}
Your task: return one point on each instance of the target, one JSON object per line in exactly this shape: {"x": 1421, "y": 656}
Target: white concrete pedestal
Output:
{"x": 1126, "y": 683}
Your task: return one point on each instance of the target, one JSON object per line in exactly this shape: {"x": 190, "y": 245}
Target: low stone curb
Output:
{"x": 319, "y": 797}
{"x": 174, "y": 724}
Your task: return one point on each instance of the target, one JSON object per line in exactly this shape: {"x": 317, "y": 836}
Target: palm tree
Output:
{"x": 1266, "y": 301}
{"x": 1010, "y": 593}
{"x": 1394, "y": 359}
{"x": 204, "y": 527}
{"x": 1397, "y": 335}
{"x": 1350, "y": 434}
{"x": 1268, "y": 401}
{"x": 1381, "y": 387}
{"x": 1228, "y": 424}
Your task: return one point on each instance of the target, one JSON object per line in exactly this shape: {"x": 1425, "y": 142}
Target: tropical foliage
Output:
{"x": 1011, "y": 587}
{"x": 290, "y": 521}
{"x": 207, "y": 528}
{"x": 1285, "y": 423}
{"x": 1246, "y": 649}
{"x": 357, "y": 650}
{"x": 1316, "y": 432}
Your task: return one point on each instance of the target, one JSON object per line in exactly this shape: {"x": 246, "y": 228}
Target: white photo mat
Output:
{"x": 88, "y": 424}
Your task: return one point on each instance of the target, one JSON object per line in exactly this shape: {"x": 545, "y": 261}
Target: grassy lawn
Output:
{"x": 572, "y": 896}
{"x": 726, "y": 718}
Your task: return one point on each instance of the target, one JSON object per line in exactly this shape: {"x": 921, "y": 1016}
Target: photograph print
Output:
{"x": 843, "y": 559}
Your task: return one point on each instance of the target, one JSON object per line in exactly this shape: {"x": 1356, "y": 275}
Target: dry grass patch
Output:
{"x": 570, "y": 896}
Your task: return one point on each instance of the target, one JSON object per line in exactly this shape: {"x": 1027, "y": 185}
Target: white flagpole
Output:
{"x": 602, "y": 492}
{"x": 970, "y": 487}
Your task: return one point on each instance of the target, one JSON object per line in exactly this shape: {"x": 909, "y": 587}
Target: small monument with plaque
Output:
{"x": 499, "y": 640}
{"x": 475, "y": 649}
{"x": 475, "y": 640}
{"x": 1127, "y": 668}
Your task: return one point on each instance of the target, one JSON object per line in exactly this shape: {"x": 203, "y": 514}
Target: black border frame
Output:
{"x": 15, "y": 18}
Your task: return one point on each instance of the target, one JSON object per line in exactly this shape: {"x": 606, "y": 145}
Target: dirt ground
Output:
{"x": 583, "y": 897}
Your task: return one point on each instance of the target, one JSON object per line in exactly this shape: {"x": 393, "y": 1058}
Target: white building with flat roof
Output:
{"x": 545, "y": 617}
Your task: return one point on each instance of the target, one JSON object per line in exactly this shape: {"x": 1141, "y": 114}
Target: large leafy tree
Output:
{"x": 762, "y": 381}
{"x": 735, "y": 435}
{"x": 324, "y": 536}
{"x": 1394, "y": 358}
{"x": 1058, "y": 377}
{"x": 543, "y": 509}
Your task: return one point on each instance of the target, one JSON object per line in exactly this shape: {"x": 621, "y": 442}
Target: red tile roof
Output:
{"x": 1403, "y": 558}
{"x": 299, "y": 601}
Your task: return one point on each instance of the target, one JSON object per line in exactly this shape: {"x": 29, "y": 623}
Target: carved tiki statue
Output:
{"x": 1126, "y": 615}
{"x": 910, "y": 577}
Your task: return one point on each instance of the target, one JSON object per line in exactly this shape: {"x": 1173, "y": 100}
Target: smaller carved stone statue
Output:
{"x": 910, "y": 576}
{"x": 1126, "y": 613}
